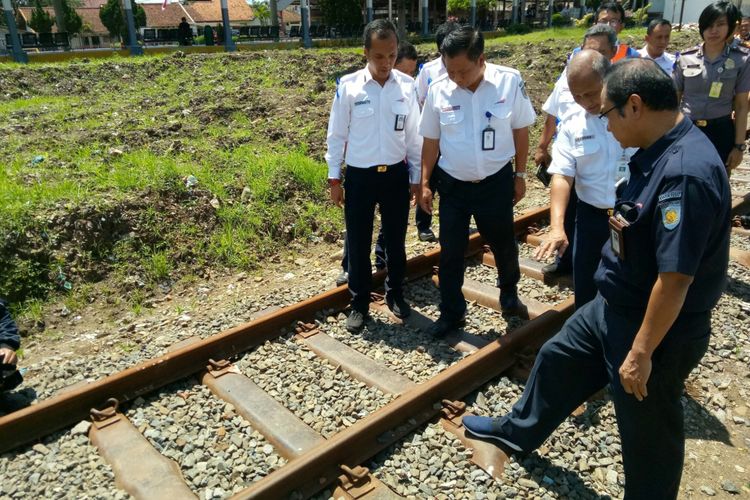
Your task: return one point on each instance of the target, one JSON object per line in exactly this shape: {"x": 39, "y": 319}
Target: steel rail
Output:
{"x": 72, "y": 406}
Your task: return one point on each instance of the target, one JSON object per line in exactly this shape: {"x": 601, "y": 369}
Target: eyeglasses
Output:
{"x": 611, "y": 22}
{"x": 602, "y": 115}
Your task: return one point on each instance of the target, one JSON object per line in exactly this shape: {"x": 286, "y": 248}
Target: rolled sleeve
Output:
{"x": 563, "y": 162}
{"x": 523, "y": 112}
{"x": 413, "y": 141}
{"x": 682, "y": 224}
{"x": 8, "y": 330}
{"x": 429, "y": 121}
{"x": 338, "y": 132}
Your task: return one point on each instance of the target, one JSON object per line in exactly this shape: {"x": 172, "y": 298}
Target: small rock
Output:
{"x": 267, "y": 449}
{"x": 215, "y": 203}
{"x": 82, "y": 428}
{"x": 115, "y": 152}
{"x": 707, "y": 490}
{"x": 40, "y": 448}
{"x": 527, "y": 483}
{"x": 246, "y": 195}
{"x": 730, "y": 487}
{"x": 612, "y": 476}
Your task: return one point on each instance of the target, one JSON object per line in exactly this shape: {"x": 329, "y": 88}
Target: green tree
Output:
{"x": 114, "y": 20}
{"x": 456, "y": 7}
{"x": 41, "y": 21}
{"x": 341, "y": 13}
{"x": 262, "y": 12}
{"x": 73, "y": 22}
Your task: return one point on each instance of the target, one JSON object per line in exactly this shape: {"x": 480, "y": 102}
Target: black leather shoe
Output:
{"x": 509, "y": 301}
{"x": 398, "y": 306}
{"x": 342, "y": 278}
{"x": 555, "y": 269}
{"x": 427, "y": 235}
{"x": 355, "y": 321}
{"x": 443, "y": 327}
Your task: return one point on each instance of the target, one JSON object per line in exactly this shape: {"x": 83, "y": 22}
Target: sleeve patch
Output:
{"x": 522, "y": 86}
{"x": 671, "y": 195}
{"x": 671, "y": 215}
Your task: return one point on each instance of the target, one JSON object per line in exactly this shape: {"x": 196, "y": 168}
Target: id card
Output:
{"x": 616, "y": 238}
{"x": 488, "y": 139}
{"x": 400, "y": 121}
{"x": 623, "y": 171}
{"x": 715, "y": 91}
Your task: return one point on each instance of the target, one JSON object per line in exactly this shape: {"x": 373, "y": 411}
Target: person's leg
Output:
{"x": 569, "y": 368}
{"x": 394, "y": 211}
{"x": 381, "y": 259}
{"x": 652, "y": 430}
{"x": 592, "y": 232}
{"x": 359, "y": 212}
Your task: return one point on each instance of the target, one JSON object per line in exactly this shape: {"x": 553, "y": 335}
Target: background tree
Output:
{"x": 73, "y": 22}
{"x": 114, "y": 19}
{"x": 41, "y": 21}
{"x": 341, "y": 13}
{"x": 262, "y": 12}
{"x": 463, "y": 7}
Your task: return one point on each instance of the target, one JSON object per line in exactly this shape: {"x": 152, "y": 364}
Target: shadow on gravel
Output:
{"x": 562, "y": 482}
{"x": 702, "y": 424}
{"x": 737, "y": 288}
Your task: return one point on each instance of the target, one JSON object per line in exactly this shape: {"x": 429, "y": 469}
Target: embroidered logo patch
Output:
{"x": 583, "y": 138}
{"x": 359, "y": 103}
{"x": 522, "y": 86}
{"x": 670, "y": 215}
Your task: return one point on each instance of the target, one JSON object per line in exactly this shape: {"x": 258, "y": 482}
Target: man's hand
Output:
{"x": 519, "y": 189}
{"x": 8, "y": 356}
{"x": 337, "y": 195}
{"x": 425, "y": 200}
{"x": 415, "y": 197}
{"x": 556, "y": 241}
{"x": 541, "y": 156}
{"x": 634, "y": 374}
{"x": 734, "y": 159}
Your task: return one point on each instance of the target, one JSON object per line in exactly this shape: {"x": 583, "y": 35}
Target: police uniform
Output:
{"x": 708, "y": 89}
{"x": 10, "y": 339}
{"x": 474, "y": 176}
{"x": 372, "y": 129}
{"x": 586, "y": 151}
{"x": 678, "y": 202}
{"x": 665, "y": 61}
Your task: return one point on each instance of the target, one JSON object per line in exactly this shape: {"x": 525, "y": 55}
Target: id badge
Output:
{"x": 623, "y": 172}
{"x": 488, "y": 139}
{"x": 616, "y": 237}
{"x": 715, "y": 91}
{"x": 400, "y": 121}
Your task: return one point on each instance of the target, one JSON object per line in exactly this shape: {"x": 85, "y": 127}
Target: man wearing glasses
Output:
{"x": 586, "y": 154}
{"x": 660, "y": 276}
{"x": 613, "y": 14}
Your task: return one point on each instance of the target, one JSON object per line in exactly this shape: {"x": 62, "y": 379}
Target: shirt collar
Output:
{"x": 725, "y": 52}
{"x": 368, "y": 76}
{"x": 645, "y": 159}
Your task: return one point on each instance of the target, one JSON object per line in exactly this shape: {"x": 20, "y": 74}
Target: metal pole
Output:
{"x": 425, "y": 17}
{"x": 390, "y": 10}
{"x": 682, "y": 10}
{"x": 15, "y": 42}
{"x": 135, "y": 49}
{"x": 550, "y": 8}
{"x": 370, "y": 12}
{"x": 305, "y": 11}
{"x": 228, "y": 42}
{"x": 473, "y": 19}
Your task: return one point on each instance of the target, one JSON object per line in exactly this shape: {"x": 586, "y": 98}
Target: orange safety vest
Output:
{"x": 622, "y": 51}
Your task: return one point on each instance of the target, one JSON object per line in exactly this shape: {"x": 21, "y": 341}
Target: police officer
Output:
{"x": 10, "y": 377}
{"x": 603, "y": 39}
{"x": 587, "y": 154}
{"x": 713, "y": 80}
{"x": 477, "y": 116}
{"x": 373, "y": 126}
{"x": 659, "y": 278}
{"x": 657, "y": 40}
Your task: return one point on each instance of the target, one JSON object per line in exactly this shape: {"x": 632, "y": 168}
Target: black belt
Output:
{"x": 380, "y": 168}
{"x": 604, "y": 211}
{"x": 489, "y": 178}
{"x": 712, "y": 121}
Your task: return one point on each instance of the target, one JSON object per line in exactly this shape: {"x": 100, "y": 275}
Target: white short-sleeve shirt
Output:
{"x": 665, "y": 61}
{"x": 458, "y": 118}
{"x": 428, "y": 73}
{"x": 560, "y": 100}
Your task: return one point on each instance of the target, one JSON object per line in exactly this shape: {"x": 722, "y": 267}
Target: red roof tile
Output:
{"x": 167, "y": 18}
{"x": 92, "y": 24}
{"x": 209, "y": 11}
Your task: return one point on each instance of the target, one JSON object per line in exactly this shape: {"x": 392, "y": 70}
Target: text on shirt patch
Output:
{"x": 584, "y": 138}
{"x": 670, "y": 196}
{"x": 358, "y": 103}
{"x": 446, "y": 109}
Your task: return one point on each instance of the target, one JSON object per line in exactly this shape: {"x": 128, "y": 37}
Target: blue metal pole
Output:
{"x": 305, "y": 11}
{"x": 15, "y": 42}
{"x": 370, "y": 11}
{"x": 228, "y": 42}
{"x": 425, "y": 17}
{"x": 135, "y": 49}
{"x": 474, "y": 13}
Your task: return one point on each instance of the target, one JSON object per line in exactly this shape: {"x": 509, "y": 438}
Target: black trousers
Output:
{"x": 366, "y": 188}
{"x": 380, "y": 262}
{"x": 720, "y": 132}
{"x": 490, "y": 202}
{"x": 592, "y": 233}
{"x": 583, "y": 358}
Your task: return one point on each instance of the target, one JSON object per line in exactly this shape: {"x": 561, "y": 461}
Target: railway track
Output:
{"x": 316, "y": 459}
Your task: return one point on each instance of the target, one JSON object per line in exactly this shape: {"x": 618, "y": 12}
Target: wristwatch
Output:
{"x": 741, "y": 147}
{"x": 520, "y": 175}
{"x": 334, "y": 182}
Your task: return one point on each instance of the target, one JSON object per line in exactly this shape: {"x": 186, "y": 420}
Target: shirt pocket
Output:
{"x": 363, "y": 111}
{"x": 500, "y": 119}
{"x": 452, "y": 124}
{"x": 585, "y": 154}
{"x": 399, "y": 109}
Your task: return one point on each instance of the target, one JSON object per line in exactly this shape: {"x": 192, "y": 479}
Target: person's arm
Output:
{"x": 10, "y": 340}
{"x": 430, "y": 151}
{"x": 740, "y": 128}
{"x": 556, "y": 240}
{"x": 664, "y": 305}
{"x": 413, "y": 145}
{"x": 542, "y": 156}
{"x": 338, "y": 132}
{"x": 521, "y": 143}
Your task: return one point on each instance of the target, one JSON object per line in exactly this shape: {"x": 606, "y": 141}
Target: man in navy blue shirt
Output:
{"x": 661, "y": 274}
{"x": 10, "y": 377}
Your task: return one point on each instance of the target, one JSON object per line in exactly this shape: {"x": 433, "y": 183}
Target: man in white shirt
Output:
{"x": 372, "y": 128}
{"x": 587, "y": 154}
{"x": 478, "y": 117}
{"x": 657, "y": 41}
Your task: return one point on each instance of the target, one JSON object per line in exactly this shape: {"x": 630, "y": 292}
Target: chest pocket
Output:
{"x": 452, "y": 124}
{"x": 584, "y": 149}
{"x": 500, "y": 116}
{"x": 363, "y": 111}
{"x": 690, "y": 72}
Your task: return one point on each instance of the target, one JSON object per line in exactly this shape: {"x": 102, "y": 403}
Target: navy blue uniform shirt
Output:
{"x": 680, "y": 187}
{"x": 8, "y": 330}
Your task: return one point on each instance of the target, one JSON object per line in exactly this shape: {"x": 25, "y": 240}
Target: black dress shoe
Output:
{"x": 443, "y": 327}
{"x": 509, "y": 301}
{"x": 342, "y": 278}
{"x": 427, "y": 235}
{"x": 355, "y": 321}
{"x": 398, "y": 306}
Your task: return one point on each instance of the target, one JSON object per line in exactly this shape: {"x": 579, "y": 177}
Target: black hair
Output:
{"x": 464, "y": 40}
{"x": 655, "y": 23}
{"x": 644, "y": 77}
{"x": 601, "y": 30}
{"x": 381, "y": 28}
{"x": 610, "y": 7}
{"x": 443, "y": 30}
{"x": 716, "y": 10}
{"x": 406, "y": 51}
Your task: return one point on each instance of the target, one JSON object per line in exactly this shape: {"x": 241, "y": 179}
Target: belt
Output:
{"x": 706, "y": 123}
{"x": 385, "y": 168}
{"x": 479, "y": 181}
{"x": 589, "y": 206}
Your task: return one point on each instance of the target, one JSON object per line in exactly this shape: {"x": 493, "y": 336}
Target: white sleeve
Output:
{"x": 429, "y": 122}
{"x": 563, "y": 162}
{"x": 523, "y": 114}
{"x": 422, "y": 86}
{"x": 552, "y": 104}
{"x": 413, "y": 141}
{"x": 338, "y": 132}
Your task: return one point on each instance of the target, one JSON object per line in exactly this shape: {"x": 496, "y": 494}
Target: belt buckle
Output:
{"x": 477, "y": 182}
{"x": 610, "y": 211}
{"x": 382, "y": 168}
{"x": 701, "y": 123}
